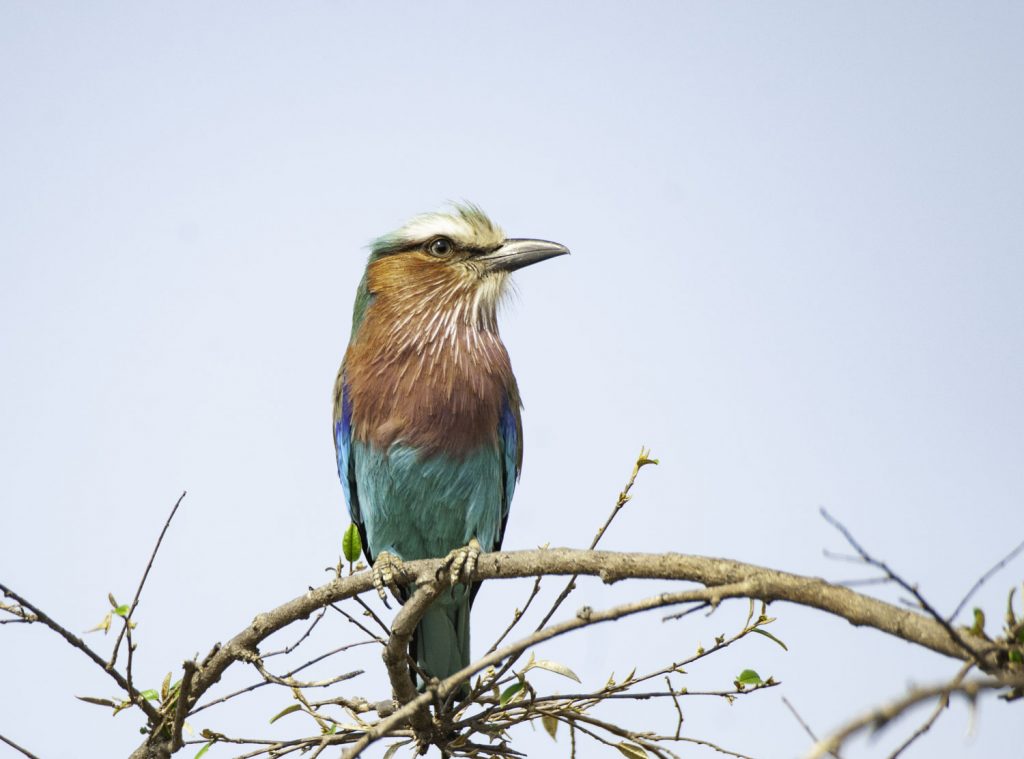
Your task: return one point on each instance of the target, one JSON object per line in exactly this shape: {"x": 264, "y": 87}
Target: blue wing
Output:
{"x": 510, "y": 436}
{"x": 346, "y": 463}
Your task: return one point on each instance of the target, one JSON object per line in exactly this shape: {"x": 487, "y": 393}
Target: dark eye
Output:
{"x": 440, "y": 247}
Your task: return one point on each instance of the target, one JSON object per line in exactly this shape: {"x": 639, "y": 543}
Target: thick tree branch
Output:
{"x": 722, "y": 578}
{"x": 757, "y": 582}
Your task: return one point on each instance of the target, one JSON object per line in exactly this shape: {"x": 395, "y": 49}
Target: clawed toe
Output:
{"x": 385, "y": 568}
{"x": 462, "y": 560}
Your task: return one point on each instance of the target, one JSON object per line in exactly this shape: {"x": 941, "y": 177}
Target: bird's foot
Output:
{"x": 385, "y": 568}
{"x": 461, "y": 560}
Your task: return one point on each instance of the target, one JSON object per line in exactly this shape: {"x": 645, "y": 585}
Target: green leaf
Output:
{"x": 749, "y": 677}
{"x": 631, "y": 750}
{"x": 978, "y": 628}
{"x": 204, "y": 749}
{"x": 551, "y": 725}
{"x": 768, "y": 635}
{"x": 283, "y": 712}
{"x": 150, "y": 695}
{"x": 122, "y": 610}
{"x": 509, "y": 692}
{"x": 1015, "y": 656}
{"x": 552, "y": 666}
{"x": 351, "y": 545}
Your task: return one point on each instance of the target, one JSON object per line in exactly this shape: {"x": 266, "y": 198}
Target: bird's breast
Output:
{"x": 438, "y": 391}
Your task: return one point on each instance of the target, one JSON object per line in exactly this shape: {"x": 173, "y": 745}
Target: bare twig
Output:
{"x": 518, "y": 615}
{"x": 16, "y": 747}
{"x": 284, "y": 677}
{"x": 142, "y": 582}
{"x": 981, "y": 580}
{"x": 912, "y": 589}
{"x": 940, "y": 706}
{"x": 642, "y": 460}
{"x": 805, "y": 726}
{"x": 373, "y": 636}
{"x": 292, "y": 683}
{"x": 624, "y": 497}
{"x": 297, "y": 643}
{"x": 74, "y": 640}
{"x": 880, "y": 716}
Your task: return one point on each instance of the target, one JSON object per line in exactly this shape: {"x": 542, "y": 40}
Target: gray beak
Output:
{"x": 515, "y": 254}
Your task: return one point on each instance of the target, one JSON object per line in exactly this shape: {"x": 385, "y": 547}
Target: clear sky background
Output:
{"x": 797, "y": 275}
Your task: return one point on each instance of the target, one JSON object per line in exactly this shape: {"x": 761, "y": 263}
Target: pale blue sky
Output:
{"x": 797, "y": 275}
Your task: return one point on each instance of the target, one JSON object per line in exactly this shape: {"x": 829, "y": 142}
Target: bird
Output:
{"x": 427, "y": 413}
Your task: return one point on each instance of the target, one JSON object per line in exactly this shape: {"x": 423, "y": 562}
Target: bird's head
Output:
{"x": 456, "y": 263}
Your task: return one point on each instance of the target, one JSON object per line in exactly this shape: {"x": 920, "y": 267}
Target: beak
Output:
{"x": 515, "y": 254}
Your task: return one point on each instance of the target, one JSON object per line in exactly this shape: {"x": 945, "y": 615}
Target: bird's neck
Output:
{"x": 427, "y": 365}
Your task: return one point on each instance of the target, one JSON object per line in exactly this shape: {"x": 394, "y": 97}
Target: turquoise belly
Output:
{"x": 420, "y": 508}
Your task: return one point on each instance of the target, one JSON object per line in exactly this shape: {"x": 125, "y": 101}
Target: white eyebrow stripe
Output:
{"x": 466, "y": 225}
{"x": 438, "y": 225}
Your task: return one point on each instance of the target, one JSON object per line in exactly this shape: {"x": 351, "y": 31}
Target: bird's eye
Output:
{"x": 440, "y": 247}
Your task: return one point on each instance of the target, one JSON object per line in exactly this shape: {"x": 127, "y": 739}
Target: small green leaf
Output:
{"x": 1015, "y": 656}
{"x": 749, "y": 677}
{"x": 550, "y": 725}
{"x": 552, "y": 666}
{"x": 122, "y": 610}
{"x": 150, "y": 695}
{"x": 204, "y": 749}
{"x": 631, "y": 750}
{"x": 351, "y": 545}
{"x": 768, "y": 635}
{"x": 283, "y": 712}
{"x": 510, "y": 692}
{"x": 978, "y": 628}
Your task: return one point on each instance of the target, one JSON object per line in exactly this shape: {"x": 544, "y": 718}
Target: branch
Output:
{"x": 877, "y": 718}
{"x": 395, "y": 652}
{"x": 181, "y": 709}
{"x": 16, "y": 747}
{"x": 584, "y": 617}
{"x": 75, "y": 641}
{"x": 142, "y": 583}
{"x": 722, "y": 579}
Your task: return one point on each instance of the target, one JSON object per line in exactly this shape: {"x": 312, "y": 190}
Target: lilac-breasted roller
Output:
{"x": 427, "y": 422}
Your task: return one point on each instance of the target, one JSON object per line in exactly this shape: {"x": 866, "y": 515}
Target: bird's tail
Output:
{"x": 440, "y": 644}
